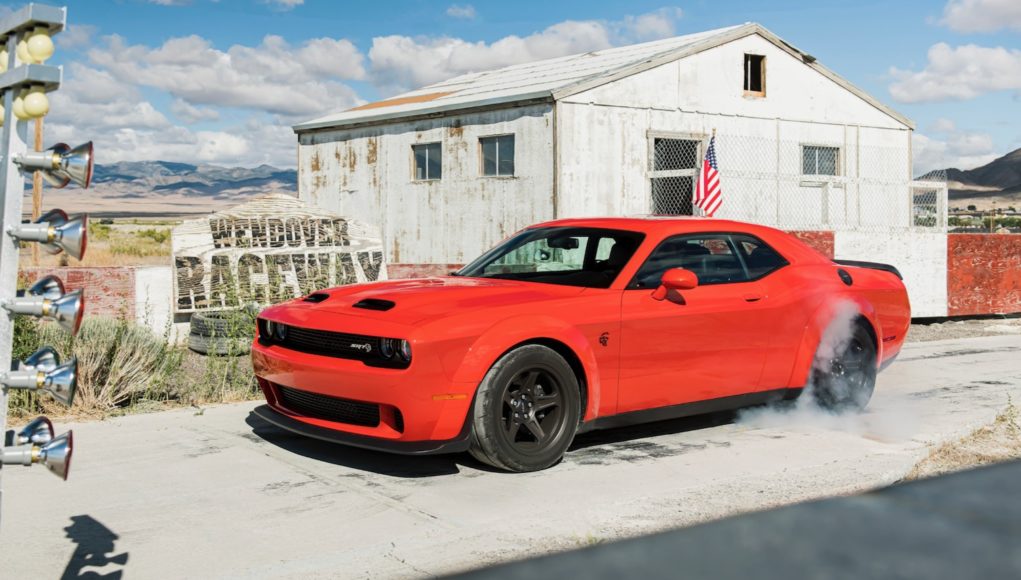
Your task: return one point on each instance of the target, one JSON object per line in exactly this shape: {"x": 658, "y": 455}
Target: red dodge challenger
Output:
{"x": 574, "y": 325}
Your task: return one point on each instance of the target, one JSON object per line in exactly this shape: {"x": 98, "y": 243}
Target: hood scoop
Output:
{"x": 374, "y": 304}
{"x": 316, "y": 298}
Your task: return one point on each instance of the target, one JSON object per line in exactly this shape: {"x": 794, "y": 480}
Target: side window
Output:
{"x": 711, "y": 257}
{"x": 758, "y": 257}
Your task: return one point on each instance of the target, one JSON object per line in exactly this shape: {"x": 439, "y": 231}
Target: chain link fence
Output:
{"x": 801, "y": 184}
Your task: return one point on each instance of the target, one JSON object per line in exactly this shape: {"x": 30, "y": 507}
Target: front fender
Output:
{"x": 832, "y": 311}
{"x": 506, "y": 334}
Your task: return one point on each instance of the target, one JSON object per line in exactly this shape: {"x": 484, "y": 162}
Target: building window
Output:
{"x": 816, "y": 160}
{"x": 497, "y": 155}
{"x": 428, "y": 161}
{"x": 755, "y": 75}
{"x": 674, "y": 167}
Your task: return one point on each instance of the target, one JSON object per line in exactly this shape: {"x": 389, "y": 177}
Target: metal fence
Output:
{"x": 801, "y": 184}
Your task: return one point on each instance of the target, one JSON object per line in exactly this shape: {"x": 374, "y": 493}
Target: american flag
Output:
{"x": 708, "y": 196}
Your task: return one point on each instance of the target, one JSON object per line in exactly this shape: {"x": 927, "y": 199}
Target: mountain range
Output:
{"x": 169, "y": 189}
{"x": 998, "y": 181}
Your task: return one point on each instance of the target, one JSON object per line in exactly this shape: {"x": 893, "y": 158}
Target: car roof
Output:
{"x": 659, "y": 227}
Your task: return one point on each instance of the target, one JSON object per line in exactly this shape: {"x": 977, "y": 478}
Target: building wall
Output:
{"x": 921, "y": 258}
{"x": 604, "y": 154}
{"x": 366, "y": 174}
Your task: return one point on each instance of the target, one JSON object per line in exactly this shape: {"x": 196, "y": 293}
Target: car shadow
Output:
{"x": 424, "y": 466}
{"x": 611, "y": 437}
{"x": 95, "y": 545}
{"x": 390, "y": 464}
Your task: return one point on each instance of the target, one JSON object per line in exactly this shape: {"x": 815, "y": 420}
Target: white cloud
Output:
{"x": 75, "y": 36}
{"x": 942, "y": 125}
{"x": 272, "y": 77}
{"x": 400, "y": 63}
{"x": 961, "y": 150}
{"x": 982, "y": 15}
{"x": 191, "y": 114}
{"x": 285, "y": 4}
{"x": 959, "y": 73}
{"x": 466, "y": 12}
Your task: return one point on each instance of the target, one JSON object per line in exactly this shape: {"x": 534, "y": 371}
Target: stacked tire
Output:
{"x": 220, "y": 333}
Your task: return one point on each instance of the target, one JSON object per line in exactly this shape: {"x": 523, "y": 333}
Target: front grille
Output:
{"x": 328, "y": 408}
{"x": 328, "y": 343}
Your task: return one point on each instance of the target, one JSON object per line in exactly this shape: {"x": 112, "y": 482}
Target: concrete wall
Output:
{"x": 983, "y": 274}
{"x": 920, "y": 257}
{"x": 367, "y": 175}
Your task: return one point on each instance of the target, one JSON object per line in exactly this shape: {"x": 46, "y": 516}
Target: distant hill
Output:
{"x": 154, "y": 177}
{"x": 998, "y": 181}
{"x": 165, "y": 188}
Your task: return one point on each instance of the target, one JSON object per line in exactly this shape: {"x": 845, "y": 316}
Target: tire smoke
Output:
{"x": 887, "y": 418}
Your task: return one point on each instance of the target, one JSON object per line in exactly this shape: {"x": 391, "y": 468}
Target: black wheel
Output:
{"x": 844, "y": 381}
{"x": 526, "y": 411}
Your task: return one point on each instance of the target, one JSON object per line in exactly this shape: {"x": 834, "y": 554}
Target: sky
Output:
{"x": 221, "y": 82}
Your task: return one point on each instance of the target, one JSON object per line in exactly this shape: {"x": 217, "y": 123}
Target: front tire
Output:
{"x": 844, "y": 381}
{"x": 527, "y": 410}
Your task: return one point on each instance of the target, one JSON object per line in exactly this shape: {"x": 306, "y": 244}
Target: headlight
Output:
{"x": 387, "y": 348}
{"x": 270, "y": 329}
{"x": 280, "y": 332}
{"x": 404, "y": 350}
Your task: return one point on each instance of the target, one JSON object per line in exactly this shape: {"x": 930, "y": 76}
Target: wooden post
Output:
{"x": 37, "y": 187}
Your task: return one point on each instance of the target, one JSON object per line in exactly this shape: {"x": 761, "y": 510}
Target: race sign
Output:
{"x": 269, "y": 250}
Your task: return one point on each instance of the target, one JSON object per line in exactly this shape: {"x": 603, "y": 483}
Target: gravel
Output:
{"x": 952, "y": 329}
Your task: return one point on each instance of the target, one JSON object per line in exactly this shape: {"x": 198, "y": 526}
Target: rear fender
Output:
{"x": 505, "y": 335}
{"x": 831, "y": 312}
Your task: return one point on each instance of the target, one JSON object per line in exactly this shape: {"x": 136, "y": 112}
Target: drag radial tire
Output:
{"x": 844, "y": 379}
{"x": 526, "y": 411}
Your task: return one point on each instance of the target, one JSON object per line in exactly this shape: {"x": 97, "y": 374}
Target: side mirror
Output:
{"x": 675, "y": 279}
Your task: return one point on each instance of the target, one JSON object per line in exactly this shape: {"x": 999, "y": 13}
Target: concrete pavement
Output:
{"x": 219, "y": 494}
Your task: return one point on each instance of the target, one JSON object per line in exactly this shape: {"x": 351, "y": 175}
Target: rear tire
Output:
{"x": 526, "y": 411}
{"x": 845, "y": 381}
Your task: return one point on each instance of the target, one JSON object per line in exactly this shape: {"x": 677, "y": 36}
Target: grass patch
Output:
{"x": 993, "y": 443}
{"x": 125, "y": 367}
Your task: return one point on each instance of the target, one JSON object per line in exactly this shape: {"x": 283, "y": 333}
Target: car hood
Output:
{"x": 419, "y": 300}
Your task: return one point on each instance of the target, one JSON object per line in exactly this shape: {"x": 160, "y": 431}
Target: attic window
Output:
{"x": 755, "y": 75}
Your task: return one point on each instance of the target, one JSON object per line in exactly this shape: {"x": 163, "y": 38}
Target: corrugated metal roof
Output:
{"x": 556, "y": 78}
{"x": 513, "y": 83}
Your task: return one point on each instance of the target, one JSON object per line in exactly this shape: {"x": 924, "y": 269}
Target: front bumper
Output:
{"x": 456, "y": 445}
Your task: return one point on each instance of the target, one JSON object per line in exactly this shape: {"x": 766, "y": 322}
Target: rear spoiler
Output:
{"x": 871, "y": 266}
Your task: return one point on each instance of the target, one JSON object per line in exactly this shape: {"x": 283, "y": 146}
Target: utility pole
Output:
{"x": 25, "y": 44}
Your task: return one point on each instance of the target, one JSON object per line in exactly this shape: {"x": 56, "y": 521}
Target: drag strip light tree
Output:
{"x": 25, "y": 44}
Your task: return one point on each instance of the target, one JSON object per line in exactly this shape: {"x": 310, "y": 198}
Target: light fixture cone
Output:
{"x": 38, "y": 432}
{"x": 75, "y": 164}
{"x": 68, "y": 309}
{"x": 56, "y": 455}
{"x": 45, "y": 359}
{"x": 48, "y": 287}
{"x": 62, "y": 382}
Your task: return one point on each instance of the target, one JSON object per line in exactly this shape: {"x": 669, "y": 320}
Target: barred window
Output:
{"x": 674, "y": 167}
{"x": 428, "y": 161}
{"x": 816, "y": 160}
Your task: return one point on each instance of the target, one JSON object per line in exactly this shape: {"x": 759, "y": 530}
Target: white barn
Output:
{"x": 448, "y": 170}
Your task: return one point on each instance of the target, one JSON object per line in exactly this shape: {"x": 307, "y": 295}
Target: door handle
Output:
{"x": 751, "y": 297}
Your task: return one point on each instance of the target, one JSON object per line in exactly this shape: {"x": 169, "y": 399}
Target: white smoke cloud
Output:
{"x": 887, "y": 418}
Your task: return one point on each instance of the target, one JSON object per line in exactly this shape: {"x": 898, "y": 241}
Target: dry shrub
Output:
{"x": 119, "y": 363}
{"x": 993, "y": 443}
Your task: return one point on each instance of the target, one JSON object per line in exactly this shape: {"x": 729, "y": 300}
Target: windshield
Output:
{"x": 570, "y": 256}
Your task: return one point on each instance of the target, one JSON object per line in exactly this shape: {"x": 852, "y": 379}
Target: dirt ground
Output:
{"x": 952, "y": 329}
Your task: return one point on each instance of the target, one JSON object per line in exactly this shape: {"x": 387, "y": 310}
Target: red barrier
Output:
{"x": 983, "y": 274}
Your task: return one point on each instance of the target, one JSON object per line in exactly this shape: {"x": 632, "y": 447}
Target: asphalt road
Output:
{"x": 218, "y": 494}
